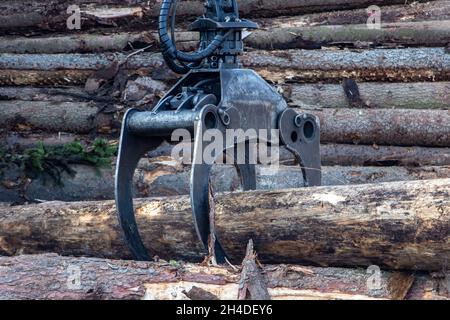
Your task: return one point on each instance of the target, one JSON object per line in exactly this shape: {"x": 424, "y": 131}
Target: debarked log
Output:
{"x": 51, "y": 276}
{"x": 401, "y": 127}
{"x": 401, "y": 225}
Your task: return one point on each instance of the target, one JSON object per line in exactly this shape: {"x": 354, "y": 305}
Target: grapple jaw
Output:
{"x": 221, "y": 100}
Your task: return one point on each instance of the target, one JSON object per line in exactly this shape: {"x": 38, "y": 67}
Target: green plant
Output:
{"x": 49, "y": 163}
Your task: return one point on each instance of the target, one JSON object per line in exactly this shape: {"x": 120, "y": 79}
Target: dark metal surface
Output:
{"x": 219, "y": 96}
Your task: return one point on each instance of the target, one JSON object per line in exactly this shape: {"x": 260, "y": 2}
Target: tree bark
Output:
{"x": 419, "y": 95}
{"x": 406, "y": 12}
{"x": 89, "y": 42}
{"x": 67, "y": 94}
{"x": 332, "y": 154}
{"x": 399, "y": 127}
{"x": 51, "y": 276}
{"x": 54, "y": 117}
{"x": 402, "y": 225}
{"x": 412, "y": 64}
{"x": 400, "y": 65}
{"x": 358, "y": 155}
{"x": 374, "y": 126}
{"x": 431, "y": 34}
{"x": 361, "y": 155}
{"x": 416, "y": 95}
{"x": 166, "y": 177}
{"x": 52, "y": 15}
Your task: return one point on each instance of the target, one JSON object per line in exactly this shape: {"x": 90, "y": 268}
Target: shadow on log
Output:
{"x": 401, "y": 225}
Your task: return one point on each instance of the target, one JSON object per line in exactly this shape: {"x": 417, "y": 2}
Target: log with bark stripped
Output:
{"x": 51, "y": 276}
{"x": 401, "y": 225}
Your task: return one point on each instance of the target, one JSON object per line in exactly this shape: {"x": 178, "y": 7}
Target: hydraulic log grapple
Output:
{"x": 215, "y": 93}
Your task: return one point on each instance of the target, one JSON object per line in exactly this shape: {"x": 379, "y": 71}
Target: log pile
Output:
{"x": 383, "y": 99}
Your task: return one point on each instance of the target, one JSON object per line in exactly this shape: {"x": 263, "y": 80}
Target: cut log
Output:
{"x": 67, "y": 94}
{"x": 332, "y": 154}
{"x": 412, "y": 64}
{"x": 432, "y": 34}
{"x": 407, "y": 12}
{"x": 399, "y": 127}
{"x": 358, "y": 155}
{"x": 374, "y": 126}
{"x": 419, "y": 95}
{"x": 20, "y": 141}
{"x": 416, "y": 95}
{"x": 54, "y": 117}
{"x": 41, "y": 78}
{"x": 361, "y": 155}
{"x": 166, "y": 177}
{"x": 51, "y": 276}
{"x": 401, "y": 225}
{"x": 88, "y": 42}
{"x": 52, "y": 15}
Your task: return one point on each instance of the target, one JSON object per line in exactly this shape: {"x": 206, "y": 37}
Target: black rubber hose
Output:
{"x": 168, "y": 47}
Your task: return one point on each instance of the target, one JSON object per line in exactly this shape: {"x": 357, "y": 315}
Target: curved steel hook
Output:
{"x": 131, "y": 149}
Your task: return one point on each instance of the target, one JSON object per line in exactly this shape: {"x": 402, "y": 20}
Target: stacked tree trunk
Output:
{"x": 383, "y": 99}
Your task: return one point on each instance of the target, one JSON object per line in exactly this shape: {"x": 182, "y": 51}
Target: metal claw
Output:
{"x": 200, "y": 179}
{"x": 301, "y": 135}
{"x": 131, "y": 149}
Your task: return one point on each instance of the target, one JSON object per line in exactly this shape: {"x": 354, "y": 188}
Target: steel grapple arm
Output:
{"x": 215, "y": 97}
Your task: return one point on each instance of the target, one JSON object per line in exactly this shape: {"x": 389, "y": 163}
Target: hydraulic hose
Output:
{"x": 169, "y": 50}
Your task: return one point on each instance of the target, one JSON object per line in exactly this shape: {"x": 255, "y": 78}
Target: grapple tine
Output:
{"x": 301, "y": 135}
{"x": 131, "y": 150}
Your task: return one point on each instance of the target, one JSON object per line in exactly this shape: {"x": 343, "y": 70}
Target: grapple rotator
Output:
{"x": 215, "y": 93}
